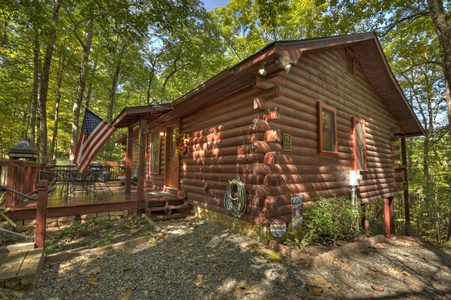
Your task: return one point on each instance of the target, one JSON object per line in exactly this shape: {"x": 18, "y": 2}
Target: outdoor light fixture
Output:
{"x": 285, "y": 63}
{"x": 262, "y": 70}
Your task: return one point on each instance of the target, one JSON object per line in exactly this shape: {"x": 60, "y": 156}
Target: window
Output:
{"x": 327, "y": 129}
{"x": 359, "y": 144}
{"x": 155, "y": 152}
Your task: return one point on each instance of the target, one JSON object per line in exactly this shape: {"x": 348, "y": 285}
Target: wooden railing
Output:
{"x": 58, "y": 170}
{"x": 23, "y": 177}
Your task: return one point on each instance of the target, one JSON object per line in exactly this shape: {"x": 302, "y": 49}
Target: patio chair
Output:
{"x": 134, "y": 177}
{"x": 79, "y": 182}
{"x": 102, "y": 181}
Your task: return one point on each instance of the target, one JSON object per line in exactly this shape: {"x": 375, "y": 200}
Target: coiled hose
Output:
{"x": 237, "y": 206}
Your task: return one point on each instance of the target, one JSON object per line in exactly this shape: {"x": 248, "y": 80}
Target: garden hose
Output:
{"x": 236, "y": 205}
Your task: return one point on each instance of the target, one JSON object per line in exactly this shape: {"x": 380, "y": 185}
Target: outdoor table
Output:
{"x": 75, "y": 181}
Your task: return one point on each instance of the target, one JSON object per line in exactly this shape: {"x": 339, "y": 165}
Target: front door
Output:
{"x": 171, "y": 174}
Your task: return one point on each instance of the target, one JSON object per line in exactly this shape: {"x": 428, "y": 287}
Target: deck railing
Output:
{"x": 116, "y": 171}
{"x": 23, "y": 177}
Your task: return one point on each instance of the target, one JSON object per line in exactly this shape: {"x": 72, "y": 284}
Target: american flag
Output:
{"x": 94, "y": 134}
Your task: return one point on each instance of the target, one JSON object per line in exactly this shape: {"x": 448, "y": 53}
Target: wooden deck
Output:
{"x": 80, "y": 203}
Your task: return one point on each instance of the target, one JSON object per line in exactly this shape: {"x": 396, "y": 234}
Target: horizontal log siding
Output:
{"x": 322, "y": 77}
{"x": 226, "y": 140}
{"x": 221, "y": 145}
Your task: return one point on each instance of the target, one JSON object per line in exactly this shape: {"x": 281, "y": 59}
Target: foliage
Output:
{"x": 274, "y": 256}
{"x": 330, "y": 218}
{"x": 4, "y": 211}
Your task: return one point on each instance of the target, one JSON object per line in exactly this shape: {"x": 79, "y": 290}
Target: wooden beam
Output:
{"x": 129, "y": 161}
{"x": 41, "y": 214}
{"x": 406, "y": 191}
{"x": 141, "y": 166}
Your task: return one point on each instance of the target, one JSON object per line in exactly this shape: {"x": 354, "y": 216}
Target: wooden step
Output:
{"x": 19, "y": 270}
{"x": 166, "y": 205}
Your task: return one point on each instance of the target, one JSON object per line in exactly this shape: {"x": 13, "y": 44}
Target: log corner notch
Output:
{"x": 262, "y": 98}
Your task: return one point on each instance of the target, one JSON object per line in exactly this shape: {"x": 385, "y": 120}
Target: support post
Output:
{"x": 41, "y": 214}
{"x": 406, "y": 191}
{"x": 387, "y": 218}
{"x": 392, "y": 215}
{"x": 129, "y": 161}
{"x": 9, "y": 198}
{"x": 141, "y": 166}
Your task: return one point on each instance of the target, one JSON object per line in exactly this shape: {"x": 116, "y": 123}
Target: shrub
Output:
{"x": 330, "y": 218}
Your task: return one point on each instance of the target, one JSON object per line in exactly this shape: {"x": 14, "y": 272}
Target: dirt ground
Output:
{"x": 398, "y": 268}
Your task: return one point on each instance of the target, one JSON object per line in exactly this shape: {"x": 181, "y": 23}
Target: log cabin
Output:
{"x": 297, "y": 120}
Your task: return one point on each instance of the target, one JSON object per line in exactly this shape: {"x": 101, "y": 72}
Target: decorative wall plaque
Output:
{"x": 296, "y": 216}
{"x": 286, "y": 142}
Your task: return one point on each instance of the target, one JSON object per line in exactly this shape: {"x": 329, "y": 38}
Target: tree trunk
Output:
{"x": 117, "y": 71}
{"x": 57, "y": 106}
{"x": 35, "y": 95}
{"x": 45, "y": 85}
{"x": 89, "y": 91}
{"x": 81, "y": 85}
{"x": 443, "y": 31}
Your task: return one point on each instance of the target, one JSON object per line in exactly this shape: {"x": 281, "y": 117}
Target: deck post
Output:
{"x": 9, "y": 198}
{"x": 387, "y": 217}
{"x": 141, "y": 166}
{"x": 41, "y": 214}
{"x": 129, "y": 161}
{"x": 406, "y": 191}
{"x": 392, "y": 215}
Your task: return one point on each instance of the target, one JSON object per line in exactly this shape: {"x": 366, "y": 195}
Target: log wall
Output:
{"x": 241, "y": 137}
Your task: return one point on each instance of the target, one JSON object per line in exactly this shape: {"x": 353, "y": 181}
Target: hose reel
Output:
{"x": 236, "y": 205}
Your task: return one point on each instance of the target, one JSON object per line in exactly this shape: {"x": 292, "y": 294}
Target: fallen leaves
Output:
{"x": 125, "y": 295}
{"x": 199, "y": 279}
{"x": 92, "y": 281}
{"x": 315, "y": 290}
{"x": 94, "y": 271}
{"x": 127, "y": 267}
{"x": 241, "y": 291}
{"x": 321, "y": 280}
{"x": 377, "y": 287}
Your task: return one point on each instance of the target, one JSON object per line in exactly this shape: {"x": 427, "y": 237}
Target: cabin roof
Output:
{"x": 368, "y": 53}
{"x": 131, "y": 115}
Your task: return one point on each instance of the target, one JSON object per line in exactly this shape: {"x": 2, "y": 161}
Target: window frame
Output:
{"x": 321, "y": 131}
{"x": 355, "y": 122}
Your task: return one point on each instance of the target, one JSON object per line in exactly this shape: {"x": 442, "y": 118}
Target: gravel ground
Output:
{"x": 199, "y": 259}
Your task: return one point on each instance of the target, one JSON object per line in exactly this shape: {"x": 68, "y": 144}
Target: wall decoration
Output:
{"x": 286, "y": 141}
{"x": 181, "y": 142}
{"x": 277, "y": 228}
{"x": 296, "y": 215}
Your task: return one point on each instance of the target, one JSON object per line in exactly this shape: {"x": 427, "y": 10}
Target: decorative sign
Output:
{"x": 277, "y": 228}
{"x": 296, "y": 215}
{"x": 286, "y": 142}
